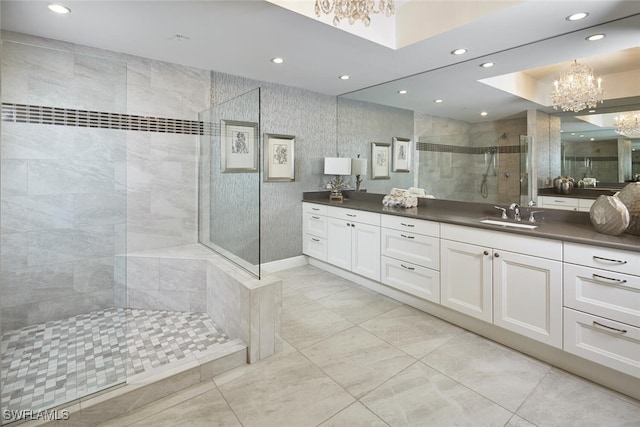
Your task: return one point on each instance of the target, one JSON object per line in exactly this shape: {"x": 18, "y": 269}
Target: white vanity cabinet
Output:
{"x": 353, "y": 241}
{"x": 314, "y": 231}
{"x": 410, "y": 259}
{"x": 511, "y": 281}
{"x": 565, "y": 203}
{"x": 602, "y": 306}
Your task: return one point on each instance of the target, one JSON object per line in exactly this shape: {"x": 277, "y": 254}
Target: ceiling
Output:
{"x": 240, "y": 38}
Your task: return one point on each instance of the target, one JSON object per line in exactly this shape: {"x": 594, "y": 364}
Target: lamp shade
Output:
{"x": 337, "y": 166}
{"x": 358, "y": 166}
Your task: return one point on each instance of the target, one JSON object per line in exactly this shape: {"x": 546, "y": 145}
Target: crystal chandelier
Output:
{"x": 576, "y": 89}
{"x": 354, "y": 9}
{"x": 628, "y": 123}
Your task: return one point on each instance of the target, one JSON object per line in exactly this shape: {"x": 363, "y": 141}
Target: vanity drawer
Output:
{"x": 410, "y": 278}
{"x": 603, "y": 341}
{"x": 566, "y": 203}
{"x": 584, "y": 205}
{"x": 354, "y": 215}
{"x": 314, "y": 246}
{"x": 315, "y": 224}
{"x": 420, "y": 226}
{"x": 411, "y": 247}
{"x": 604, "y": 293}
{"x": 602, "y": 258}
{"x": 314, "y": 209}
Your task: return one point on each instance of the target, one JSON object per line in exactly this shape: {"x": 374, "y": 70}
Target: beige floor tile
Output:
{"x": 359, "y": 304}
{"x": 308, "y": 323}
{"x": 562, "y": 399}
{"x": 357, "y": 360}
{"x": 411, "y": 330}
{"x": 516, "y": 421}
{"x": 206, "y": 410}
{"x": 292, "y": 298}
{"x": 161, "y": 404}
{"x": 355, "y": 415}
{"x": 498, "y": 373}
{"x": 287, "y": 391}
{"x": 421, "y": 396}
{"x": 314, "y": 283}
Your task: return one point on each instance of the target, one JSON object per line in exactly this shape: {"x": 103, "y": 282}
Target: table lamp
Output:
{"x": 339, "y": 167}
{"x": 358, "y": 167}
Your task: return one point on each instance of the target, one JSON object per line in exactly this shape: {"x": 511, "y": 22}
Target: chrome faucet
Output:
{"x": 516, "y": 211}
{"x": 504, "y": 212}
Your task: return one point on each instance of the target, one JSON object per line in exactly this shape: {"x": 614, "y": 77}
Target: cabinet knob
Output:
{"x": 486, "y": 252}
{"x": 353, "y": 225}
{"x": 497, "y": 255}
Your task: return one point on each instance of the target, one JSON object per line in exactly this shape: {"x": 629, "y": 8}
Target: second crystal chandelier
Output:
{"x": 354, "y": 9}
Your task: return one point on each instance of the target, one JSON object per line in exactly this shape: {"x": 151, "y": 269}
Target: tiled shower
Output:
{"x": 98, "y": 160}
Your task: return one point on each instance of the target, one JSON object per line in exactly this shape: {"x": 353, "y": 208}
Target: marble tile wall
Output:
{"x": 458, "y": 176}
{"x": 73, "y": 197}
{"x": 63, "y": 200}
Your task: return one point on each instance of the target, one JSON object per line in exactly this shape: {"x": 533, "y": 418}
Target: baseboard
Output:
{"x": 284, "y": 264}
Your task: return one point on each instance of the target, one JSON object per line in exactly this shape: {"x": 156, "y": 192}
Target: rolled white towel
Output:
{"x": 415, "y": 191}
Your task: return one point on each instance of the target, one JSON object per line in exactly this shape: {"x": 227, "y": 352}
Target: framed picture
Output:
{"x": 279, "y": 159}
{"x": 401, "y": 154}
{"x": 239, "y": 146}
{"x": 380, "y": 159}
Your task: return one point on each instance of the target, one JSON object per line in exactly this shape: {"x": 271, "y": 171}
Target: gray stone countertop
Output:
{"x": 557, "y": 225}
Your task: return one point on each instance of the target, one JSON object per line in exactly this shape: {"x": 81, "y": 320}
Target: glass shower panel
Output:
{"x": 63, "y": 234}
{"x": 229, "y": 180}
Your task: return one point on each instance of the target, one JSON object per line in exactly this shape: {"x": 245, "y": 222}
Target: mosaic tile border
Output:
{"x": 461, "y": 149}
{"x": 39, "y": 114}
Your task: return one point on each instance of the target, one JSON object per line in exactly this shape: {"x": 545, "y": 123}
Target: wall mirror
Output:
{"x": 484, "y": 133}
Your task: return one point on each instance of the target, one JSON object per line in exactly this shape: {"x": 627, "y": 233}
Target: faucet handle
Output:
{"x": 532, "y": 218}
{"x": 531, "y": 203}
{"x": 504, "y": 212}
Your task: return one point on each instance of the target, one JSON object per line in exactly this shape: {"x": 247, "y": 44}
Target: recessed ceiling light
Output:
{"x": 277, "y": 60}
{"x": 577, "y": 16}
{"x": 402, "y": 92}
{"x": 459, "y": 51}
{"x": 595, "y": 37}
{"x": 437, "y": 101}
{"x": 487, "y": 64}
{"x": 581, "y": 136}
{"x": 484, "y": 113}
{"x": 592, "y": 139}
{"x": 344, "y": 77}
{"x": 58, "y": 8}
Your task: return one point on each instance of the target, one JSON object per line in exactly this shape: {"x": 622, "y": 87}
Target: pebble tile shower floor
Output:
{"x": 49, "y": 364}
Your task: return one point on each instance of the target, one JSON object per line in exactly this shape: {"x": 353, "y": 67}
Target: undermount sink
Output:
{"x": 508, "y": 224}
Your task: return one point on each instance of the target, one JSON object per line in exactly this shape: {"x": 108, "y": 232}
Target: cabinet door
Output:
{"x": 465, "y": 278}
{"x": 365, "y": 250}
{"x": 339, "y": 243}
{"x": 527, "y": 295}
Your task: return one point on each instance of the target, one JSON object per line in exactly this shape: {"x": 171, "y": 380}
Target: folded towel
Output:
{"x": 399, "y": 201}
{"x": 419, "y": 192}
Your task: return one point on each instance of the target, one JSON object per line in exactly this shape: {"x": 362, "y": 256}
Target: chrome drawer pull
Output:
{"x": 315, "y": 240}
{"x": 622, "y": 331}
{"x": 407, "y": 225}
{"x": 315, "y": 209}
{"x": 609, "y": 259}
{"x": 408, "y": 268}
{"x": 597, "y": 276}
{"x": 315, "y": 217}
{"x": 352, "y": 216}
{"x": 408, "y": 237}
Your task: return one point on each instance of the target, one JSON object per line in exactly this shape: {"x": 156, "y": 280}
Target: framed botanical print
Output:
{"x": 239, "y": 146}
{"x": 401, "y": 155}
{"x": 279, "y": 159}
{"x": 380, "y": 160}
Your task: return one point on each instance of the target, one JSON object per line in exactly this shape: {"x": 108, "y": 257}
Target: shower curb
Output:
{"x": 145, "y": 388}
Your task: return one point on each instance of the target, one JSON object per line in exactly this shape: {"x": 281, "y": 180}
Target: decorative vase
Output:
{"x": 630, "y": 196}
{"x": 609, "y": 215}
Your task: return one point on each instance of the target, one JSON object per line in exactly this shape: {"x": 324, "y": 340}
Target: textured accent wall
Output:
{"x": 455, "y": 156}
{"x": 311, "y": 118}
